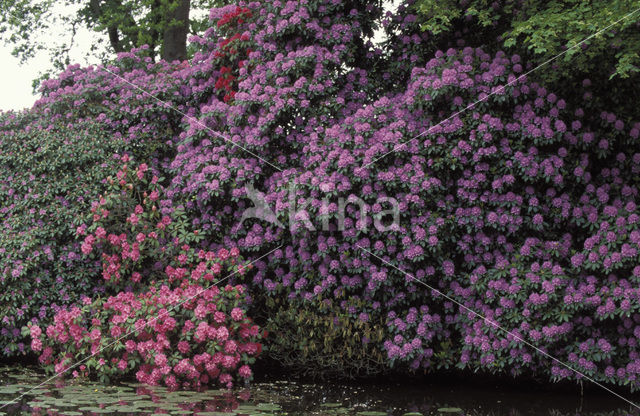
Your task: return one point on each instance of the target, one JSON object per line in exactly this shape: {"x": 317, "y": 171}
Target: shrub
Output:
{"x": 183, "y": 337}
{"x": 135, "y": 233}
{"x": 48, "y": 175}
{"x": 519, "y": 207}
{"x": 186, "y": 330}
{"x": 322, "y": 339}
{"x": 54, "y": 161}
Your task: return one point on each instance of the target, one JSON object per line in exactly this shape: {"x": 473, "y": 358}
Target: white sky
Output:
{"x": 16, "y": 79}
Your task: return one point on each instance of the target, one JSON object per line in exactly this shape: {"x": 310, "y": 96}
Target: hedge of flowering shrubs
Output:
{"x": 521, "y": 206}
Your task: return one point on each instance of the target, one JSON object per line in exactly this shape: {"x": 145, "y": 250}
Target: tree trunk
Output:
{"x": 155, "y": 34}
{"x": 174, "y": 45}
{"x": 97, "y": 16}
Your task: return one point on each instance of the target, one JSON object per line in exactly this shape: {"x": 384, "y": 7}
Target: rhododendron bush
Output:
{"x": 178, "y": 328}
{"x": 518, "y": 204}
{"x": 49, "y": 173}
{"x": 187, "y": 336}
{"x": 54, "y": 161}
{"x": 521, "y": 207}
{"x": 135, "y": 234}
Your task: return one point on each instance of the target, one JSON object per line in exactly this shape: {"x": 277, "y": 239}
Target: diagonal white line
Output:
{"x": 132, "y": 331}
{"x": 496, "y": 325}
{"x": 501, "y": 88}
{"x": 190, "y": 118}
{"x": 217, "y": 134}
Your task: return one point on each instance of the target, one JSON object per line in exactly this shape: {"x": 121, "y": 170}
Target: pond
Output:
{"x": 282, "y": 397}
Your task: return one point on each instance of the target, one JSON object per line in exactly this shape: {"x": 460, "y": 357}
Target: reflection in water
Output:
{"x": 291, "y": 398}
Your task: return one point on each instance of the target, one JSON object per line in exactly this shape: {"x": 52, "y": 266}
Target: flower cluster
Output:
{"x": 186, "y": 331}
{"x": 188, "y": 336}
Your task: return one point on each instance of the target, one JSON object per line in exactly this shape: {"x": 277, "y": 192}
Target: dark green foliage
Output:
{"x": 49, "y": 174}
{"x": 547, "y": 28}
{"x": 323, "y": 340}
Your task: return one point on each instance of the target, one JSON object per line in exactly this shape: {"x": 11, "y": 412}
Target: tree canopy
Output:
{"x": 164, "y": 25}
{"x": 550, "y": 32}
{"x": 545, "y": 29}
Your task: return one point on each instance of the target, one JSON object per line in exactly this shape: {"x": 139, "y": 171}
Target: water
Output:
{"x": 280, "y": 397}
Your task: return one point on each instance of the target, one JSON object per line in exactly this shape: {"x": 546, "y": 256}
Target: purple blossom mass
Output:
{"x": 522, "y": 208}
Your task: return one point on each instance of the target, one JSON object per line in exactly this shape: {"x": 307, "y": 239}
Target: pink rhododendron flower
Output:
{"x": 237, "y": 314}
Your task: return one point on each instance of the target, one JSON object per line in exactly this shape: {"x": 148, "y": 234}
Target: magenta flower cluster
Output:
{"x": 209, "y": 339}
{"x": 178, "y": 328}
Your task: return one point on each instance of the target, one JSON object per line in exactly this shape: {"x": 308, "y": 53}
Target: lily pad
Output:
{"x": 246, "y": 408}
{"x": 122, "y": 408}
{"x": 145, "y": 404}
{"x": 449, "y": 410}
{"x": 185, "y": 393}
{"x": 106, "y": 400}
{"x": 372, "y": 413}
{"x": 90, "y": 408}
{"x": 268, "y": 406}
{"x": 331, "y": 405}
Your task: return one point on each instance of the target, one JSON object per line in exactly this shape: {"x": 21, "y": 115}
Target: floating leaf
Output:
{"x": 145, "y": 403}
{"x": 245, "y": 408}
{"x": 121, "y": 409}
{"x": 106, "y": 400}
{"x": 449, "y": 410}
{"x": 10, "y": 389}
{"x": 268, "y": 406}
